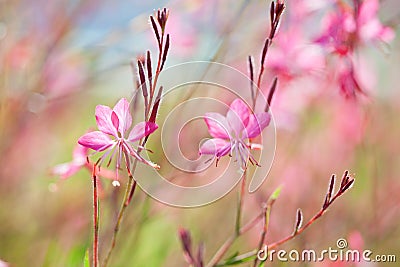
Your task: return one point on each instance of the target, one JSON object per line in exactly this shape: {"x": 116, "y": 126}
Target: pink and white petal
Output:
{"x": 115, "y": 120}
{"x": 238, "y": 115}
{"x": 217, "y": 125}
{"x": 124, "y": 115}
{"x": 65, "y": 170}
{"x": 4, "y": 264}
{"x": 80, "y": 153}
{"x": 103, "y": 119}
{"x": 387, "y": 34}
{"x": 96, "y": 140}
{"x": 257, "y": 123}
{"x": 216, "y": 146}
{"x": 370, "y": 31}
{"x": 368, "y": 11}
{"x": 141, "y": 130}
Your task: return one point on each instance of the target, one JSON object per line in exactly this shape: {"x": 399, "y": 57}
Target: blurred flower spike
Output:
{"x": 230, "y": 133}
{"x": 347, "y": 27}
{"x": 115, "y": 123}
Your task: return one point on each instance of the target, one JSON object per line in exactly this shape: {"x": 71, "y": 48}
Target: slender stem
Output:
{"x": 240, "y": 203}
{"x": 95, "y": 220}
{"x": 310, "y": 222}
{"x": 265, "y": 228}
{"x": 126, "y": 200}
{"x": 288, "y": 238}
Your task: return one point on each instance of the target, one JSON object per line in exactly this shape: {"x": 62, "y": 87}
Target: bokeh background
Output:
{"x": 59, "y": 59}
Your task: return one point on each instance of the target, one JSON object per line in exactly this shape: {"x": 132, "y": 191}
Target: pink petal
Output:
{"x": 80, "y": 153}
{"x": 65, "y": 170}
{"x": 125, "y": 118}
{"x": 368, "y": 11}
{"x": 141, "y": 130}
{"x": 216, "y": 146}
{"x": 96, "y": 140}
{"x": 217, "y": 125}
{"x": 103, "y": 119}
{"x": 257, "y": 123}
{"x": 114, "y": 119}
{"x": 387, "y": 34}
{"x": 238, "y": 115}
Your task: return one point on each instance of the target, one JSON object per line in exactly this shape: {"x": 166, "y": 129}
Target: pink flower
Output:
{"x": 292, "y": 57}
{"x": 113, "y": 136}
{"x": 230, "y": 132}
{"x": 79, "y": 160}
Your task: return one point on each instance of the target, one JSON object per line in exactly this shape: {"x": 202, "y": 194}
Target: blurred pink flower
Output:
{"x": 349, "y": 86}
{"x": 63, "y": 74}
{"x": 116, "y": 122}
{"x": 21, "y": 54}
{"x": 356, "y": 240}
{"x": 345, "y": 27}
{"x": 184, "y": 34}
{"x": 292, "y": 56}
{"x": 369, "y": 26}
{"x": 3, "y": 264}
{"x": 231, "y": 131}
{"x": 79, "y": 160}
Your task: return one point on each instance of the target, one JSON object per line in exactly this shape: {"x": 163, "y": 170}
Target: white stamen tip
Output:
{"x": 116, "y": 183}
{"x": 155, "y": 166}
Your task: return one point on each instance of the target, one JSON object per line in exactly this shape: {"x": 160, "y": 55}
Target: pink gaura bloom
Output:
{"x": 231, "y": 132}
{"x": 114, "y": 136}
{"x": 346, "y": 27}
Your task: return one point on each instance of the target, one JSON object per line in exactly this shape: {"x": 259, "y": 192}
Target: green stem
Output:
{"x": 240, "y": 204}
